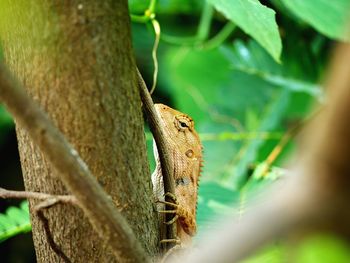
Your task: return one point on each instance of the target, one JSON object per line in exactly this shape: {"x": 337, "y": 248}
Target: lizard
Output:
{"x": 186, "y": 157}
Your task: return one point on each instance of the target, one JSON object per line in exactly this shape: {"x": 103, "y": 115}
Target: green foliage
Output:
{"x": 316, "y": 248}
{"x": 216, "y": 201}
{"x": 5, "y": 118}
{"x": 256, "y": 20}
{"x": 322, "y": 247}
{"x": 328, "y": 17}
{"x": 253, "y": 60}
{"x": 6, "y": 123}
{"x": 14, "y": 221}
{"x": 271, "y": 254}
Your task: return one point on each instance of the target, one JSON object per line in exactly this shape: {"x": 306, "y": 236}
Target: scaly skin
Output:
{"x": 186, "y": 151}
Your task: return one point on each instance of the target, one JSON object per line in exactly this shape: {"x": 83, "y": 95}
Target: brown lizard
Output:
{"x": 186, "y": 156}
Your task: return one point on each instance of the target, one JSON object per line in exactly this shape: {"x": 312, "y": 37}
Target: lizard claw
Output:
{"x": 172, "y": 221}
{"x": 171, "y": 196}
{"x": 174, "y": 240}
{"x": 167, "y": 203}
{"x": 174, "y": 204}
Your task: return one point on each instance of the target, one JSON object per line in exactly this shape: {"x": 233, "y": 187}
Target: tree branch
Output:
{"x": 162, "y": 147}
{"x": 74, "y": 173}
{"x": 65, "y": 199}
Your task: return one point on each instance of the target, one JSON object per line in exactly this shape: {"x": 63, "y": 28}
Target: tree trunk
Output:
{"x": 75, "y": 59}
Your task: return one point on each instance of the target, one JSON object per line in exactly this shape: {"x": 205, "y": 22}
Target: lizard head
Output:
{"x": 179, "y": 130}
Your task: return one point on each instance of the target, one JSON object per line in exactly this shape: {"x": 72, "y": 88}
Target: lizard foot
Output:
{"x": 174, "y": 204}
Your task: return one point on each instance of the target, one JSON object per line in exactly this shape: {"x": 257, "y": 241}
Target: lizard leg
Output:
{"x": 171, "y": 196}
{"x": 173, "y": 204}
{"x": 186, "y": 219}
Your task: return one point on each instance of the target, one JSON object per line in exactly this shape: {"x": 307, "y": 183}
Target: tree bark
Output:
{"x": 75, "y": 59}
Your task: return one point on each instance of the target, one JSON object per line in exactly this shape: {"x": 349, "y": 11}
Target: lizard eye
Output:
{"x": 182, "y": 123}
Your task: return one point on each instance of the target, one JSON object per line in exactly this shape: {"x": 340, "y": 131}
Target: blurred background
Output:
{"x": 249, "y": 74}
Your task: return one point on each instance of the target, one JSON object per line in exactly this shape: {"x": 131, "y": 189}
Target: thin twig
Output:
{"x": 162, "y": 147}
{"x": 156, "y": 27}
{"x": 65, "y": 199}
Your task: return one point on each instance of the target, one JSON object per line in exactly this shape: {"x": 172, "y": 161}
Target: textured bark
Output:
{"x": 74, "y": 57}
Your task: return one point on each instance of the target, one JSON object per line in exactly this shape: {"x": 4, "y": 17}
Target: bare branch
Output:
{"x": 65, "y": 199}
{"x": 163, "y": 151}
{"x": 74, "y": 173}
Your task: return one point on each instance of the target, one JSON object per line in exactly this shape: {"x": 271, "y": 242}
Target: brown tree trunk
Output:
{"x": 75, "y": 59}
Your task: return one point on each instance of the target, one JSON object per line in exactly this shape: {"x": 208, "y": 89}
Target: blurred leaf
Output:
{"x": 214, "y": 201}
{"x": 322, "y": 248}
{"x": 268, "y": 121}
{"x": 14, "y": 221}
{"x": 256, "y": 20}
{"x": 271, "y": 254}
{"x": 328, "y": 17}
{"x": 6, "y": 123}
{"x": 5, "y": 118}
{"x": 318, "y": 248}
{"x": 253, "y": 60}
{"x": 259, "y": 180}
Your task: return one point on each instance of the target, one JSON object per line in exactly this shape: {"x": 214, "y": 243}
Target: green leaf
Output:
{"x": 328, "y": 17}
{"x": 14, "y": 221}
{"x": 256, "y": 20}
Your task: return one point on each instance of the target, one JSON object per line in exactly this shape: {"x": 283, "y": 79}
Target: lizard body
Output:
{"x": 186, "y": 157}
